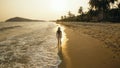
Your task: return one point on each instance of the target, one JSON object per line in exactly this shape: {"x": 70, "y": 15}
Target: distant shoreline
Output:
{"x": 20, "y": 19}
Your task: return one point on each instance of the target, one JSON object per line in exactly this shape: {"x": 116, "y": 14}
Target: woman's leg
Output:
{"x": 58, "y": 45}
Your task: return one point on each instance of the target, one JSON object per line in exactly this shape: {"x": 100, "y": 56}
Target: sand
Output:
{"x": 87, "y": 48}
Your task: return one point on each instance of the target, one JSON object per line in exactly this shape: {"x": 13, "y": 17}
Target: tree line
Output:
{"x": 99, "y": 10}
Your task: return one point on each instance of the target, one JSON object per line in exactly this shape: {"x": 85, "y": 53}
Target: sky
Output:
{"x": 39, "y": 9}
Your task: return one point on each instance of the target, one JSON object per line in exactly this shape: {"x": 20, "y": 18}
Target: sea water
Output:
{"x": 28, "y": 45}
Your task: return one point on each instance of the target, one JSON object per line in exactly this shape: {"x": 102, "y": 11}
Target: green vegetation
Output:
{"x": 99, "y": 11}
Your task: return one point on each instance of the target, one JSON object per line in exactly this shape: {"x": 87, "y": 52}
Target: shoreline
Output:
{"x": 85, "y": 52}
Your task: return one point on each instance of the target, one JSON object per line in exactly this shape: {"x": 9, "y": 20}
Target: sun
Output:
{"x": 59, "y": 5}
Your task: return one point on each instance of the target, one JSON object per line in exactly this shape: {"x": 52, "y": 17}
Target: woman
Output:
{"x": 59, "y": 37}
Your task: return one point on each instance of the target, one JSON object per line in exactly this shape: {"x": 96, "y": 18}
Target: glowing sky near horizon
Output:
{"x": 39, "y": 9}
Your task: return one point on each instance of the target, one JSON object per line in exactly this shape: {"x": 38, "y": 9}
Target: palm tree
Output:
{"x": 65, "y": 17}
{"x": 70, "y": 14}
{"x": 94, "y": 4}
{"x": 112, "y": 1}
{"x": 80, "y": 11}
{"x": 62, "y": 17}
{"x": 119, "y": 5}
{"x": 101, "y": 4}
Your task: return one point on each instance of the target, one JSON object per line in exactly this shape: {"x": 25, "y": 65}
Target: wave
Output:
{"x": 6, "y": 28}
{"x": 36, "y": 49}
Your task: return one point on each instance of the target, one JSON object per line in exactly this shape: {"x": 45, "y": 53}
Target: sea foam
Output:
{"x": 35, "y": 49}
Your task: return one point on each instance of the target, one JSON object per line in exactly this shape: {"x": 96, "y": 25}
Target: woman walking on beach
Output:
{"x": 59, "y": 36}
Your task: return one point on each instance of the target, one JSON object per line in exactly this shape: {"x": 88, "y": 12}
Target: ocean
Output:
{"x": 28, "y": 45}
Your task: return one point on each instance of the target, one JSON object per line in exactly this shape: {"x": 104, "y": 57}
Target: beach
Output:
{"x": 91, "y": 45}
{"x": 84, "y": 45}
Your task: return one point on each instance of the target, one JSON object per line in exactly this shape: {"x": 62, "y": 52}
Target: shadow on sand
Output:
{"x": 60, "y": 54}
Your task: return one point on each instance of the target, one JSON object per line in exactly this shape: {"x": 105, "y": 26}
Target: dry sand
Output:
{"x": 91, "y": 46}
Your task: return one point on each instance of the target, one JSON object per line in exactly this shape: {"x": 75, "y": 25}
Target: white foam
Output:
{"x": 33, "y": 50}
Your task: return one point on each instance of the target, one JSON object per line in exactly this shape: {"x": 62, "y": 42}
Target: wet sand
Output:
{"x": 82, "y": 50}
